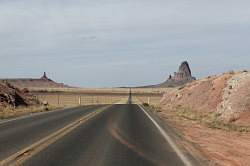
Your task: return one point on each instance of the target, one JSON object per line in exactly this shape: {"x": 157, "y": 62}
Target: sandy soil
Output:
{"x": 220, "y": 147}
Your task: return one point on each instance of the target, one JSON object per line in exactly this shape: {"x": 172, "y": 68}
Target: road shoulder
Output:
{"x": 189, "y": 153}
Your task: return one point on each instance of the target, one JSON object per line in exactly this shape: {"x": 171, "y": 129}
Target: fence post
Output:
{"x": 80, "y": 101}
{"x": 148, "y": 100}
{"x": 58, "y": 100}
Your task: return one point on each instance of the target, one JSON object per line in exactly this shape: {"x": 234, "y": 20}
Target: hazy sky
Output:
{"x": 122, "y": 42}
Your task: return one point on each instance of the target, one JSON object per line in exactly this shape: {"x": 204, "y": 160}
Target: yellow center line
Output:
{"x": 21, "y": 156}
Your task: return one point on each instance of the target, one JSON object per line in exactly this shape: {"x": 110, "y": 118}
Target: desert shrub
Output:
{"x": 145, "y": 104}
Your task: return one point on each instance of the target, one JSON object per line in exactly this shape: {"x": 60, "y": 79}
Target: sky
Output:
{"x": 110, "y": 43}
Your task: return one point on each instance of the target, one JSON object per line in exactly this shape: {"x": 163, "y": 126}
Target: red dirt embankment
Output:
{"x": 226, "y": 96}
{"x": 202, "y": 96}
{"x": 214, "y": 115}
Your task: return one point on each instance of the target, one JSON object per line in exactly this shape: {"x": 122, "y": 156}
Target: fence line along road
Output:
{"x": 65, "y": 99}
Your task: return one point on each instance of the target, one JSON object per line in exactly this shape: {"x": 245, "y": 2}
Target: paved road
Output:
{"x": 120, "y": 136}
{"x": 17, "y": 134}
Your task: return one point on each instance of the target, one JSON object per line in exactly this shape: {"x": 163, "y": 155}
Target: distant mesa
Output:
{"x": 32, "y": 83}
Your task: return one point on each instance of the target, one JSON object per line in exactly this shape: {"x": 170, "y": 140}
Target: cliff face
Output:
{"x": 12, "y": 96}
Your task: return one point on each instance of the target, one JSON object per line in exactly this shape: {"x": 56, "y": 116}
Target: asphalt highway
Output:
{"x": 120, "y": 136}
{"x": 19, "y": 133}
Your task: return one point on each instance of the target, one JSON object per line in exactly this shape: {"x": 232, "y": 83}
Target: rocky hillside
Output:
{"x": 13, "y": 97}
{"x": 224, "y": 97}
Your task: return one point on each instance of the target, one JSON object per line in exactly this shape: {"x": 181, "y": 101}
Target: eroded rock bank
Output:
{"x": 226, "y": 97}
{"x": 213, "y": 117}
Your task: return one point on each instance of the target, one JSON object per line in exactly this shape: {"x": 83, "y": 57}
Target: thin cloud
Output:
{"x": 112, "y": 38}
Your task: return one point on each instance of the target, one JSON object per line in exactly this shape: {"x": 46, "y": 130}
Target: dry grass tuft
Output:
{"x": 10, "y": 112}
{"x": 210, "y": 120}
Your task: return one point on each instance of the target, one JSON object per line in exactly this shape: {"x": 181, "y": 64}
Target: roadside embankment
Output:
{"x": 213, "y": 116}
{"x": 15, "y": 102}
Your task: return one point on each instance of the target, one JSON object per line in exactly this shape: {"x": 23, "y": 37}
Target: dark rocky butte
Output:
{"x": 181, "y": 77}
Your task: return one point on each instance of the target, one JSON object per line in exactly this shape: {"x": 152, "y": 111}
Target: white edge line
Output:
{"x": 184, "y": 159}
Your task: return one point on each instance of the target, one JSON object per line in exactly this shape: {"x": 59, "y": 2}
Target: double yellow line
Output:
{"x": 21, "y": 156}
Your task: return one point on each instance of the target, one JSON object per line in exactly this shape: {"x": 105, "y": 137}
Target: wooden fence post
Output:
{"x": 58, "y": 99}
{"x": 80, "y": 101}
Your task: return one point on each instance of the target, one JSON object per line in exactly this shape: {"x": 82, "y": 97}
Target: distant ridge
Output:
{"x": 29, "y": 83}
